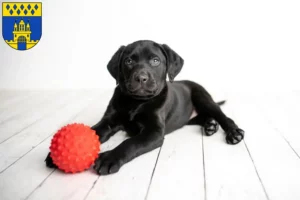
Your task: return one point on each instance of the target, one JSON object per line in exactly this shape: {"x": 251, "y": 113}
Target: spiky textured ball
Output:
{"x": 74, "y": 148}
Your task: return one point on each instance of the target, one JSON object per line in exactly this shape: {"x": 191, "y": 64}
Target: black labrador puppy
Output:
{"x": 147, "y": 107}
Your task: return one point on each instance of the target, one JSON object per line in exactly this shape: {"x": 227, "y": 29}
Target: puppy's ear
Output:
{"x": 174, "y": 62}
{"x": 113, "y": 64}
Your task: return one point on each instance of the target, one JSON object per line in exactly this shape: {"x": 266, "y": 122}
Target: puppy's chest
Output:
{"x": 133, "y": 120}
{"x": 133, "y": 123}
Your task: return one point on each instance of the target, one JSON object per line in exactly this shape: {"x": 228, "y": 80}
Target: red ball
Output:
{"x": 74, "y": 148}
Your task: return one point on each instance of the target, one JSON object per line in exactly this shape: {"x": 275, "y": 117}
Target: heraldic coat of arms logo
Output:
{"x": 22, "y": 24}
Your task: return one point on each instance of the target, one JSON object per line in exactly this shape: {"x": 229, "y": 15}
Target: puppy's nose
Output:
{"x": 141, "y": 78}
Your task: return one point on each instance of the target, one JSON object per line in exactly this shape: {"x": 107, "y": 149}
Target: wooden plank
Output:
{"x": 26, "y": 105}
{"x": 131, "y": 182}
{"x": 9, "y": 98}
{"x": 20, "y": 179}
{"x": 21, "y": 122}
{"x": 229, "y": 171}
{"x": 179, "y": 171}
{"x": 282, "y": 111}
{"x": 7, "y": 95}
{"x": 88, "y": 185}
{"x": 33, "y": 135}
{"x": 276, "y": 163}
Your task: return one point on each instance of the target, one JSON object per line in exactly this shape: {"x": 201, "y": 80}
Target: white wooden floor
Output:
{"x": 189, "y": 165}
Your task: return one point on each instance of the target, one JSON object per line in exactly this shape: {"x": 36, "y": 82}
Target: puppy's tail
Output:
{"x": 220, "y": 103}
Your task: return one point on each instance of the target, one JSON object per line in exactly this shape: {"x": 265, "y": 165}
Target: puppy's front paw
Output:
{"x": 107, "y": 163}
{"x": 49, "y": 162}
{"x": 103, "y": 136}
{"x": 211, "y": 126}
{"x": 234, "y": 136}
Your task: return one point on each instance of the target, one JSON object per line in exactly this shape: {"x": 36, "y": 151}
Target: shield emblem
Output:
{"x": 22, "y": 24}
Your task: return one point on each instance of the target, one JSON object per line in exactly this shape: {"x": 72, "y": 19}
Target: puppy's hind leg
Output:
{"x": 210, "y": 126}
{"x": 205, "y": 106}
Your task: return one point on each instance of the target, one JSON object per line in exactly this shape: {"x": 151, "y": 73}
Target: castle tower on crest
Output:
{"x": 22, "y": 34}
{"x": 22, "y": 31}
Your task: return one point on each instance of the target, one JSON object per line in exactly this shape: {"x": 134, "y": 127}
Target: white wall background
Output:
{"x": 227, "y": 45}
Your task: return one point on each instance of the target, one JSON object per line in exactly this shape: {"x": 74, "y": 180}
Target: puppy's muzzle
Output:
{"x": 141, "y": 78}
{"x": 141, "y": 83}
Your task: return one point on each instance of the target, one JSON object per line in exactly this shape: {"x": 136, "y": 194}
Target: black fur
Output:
{"x": 147, "y": 107}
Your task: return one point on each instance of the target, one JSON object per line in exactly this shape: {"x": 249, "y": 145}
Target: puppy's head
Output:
{"x": 141, "y": 68}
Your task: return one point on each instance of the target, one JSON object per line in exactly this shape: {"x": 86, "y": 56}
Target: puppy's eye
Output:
{"x": 128, "y": 61}
{"x": 155, "y": 62}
